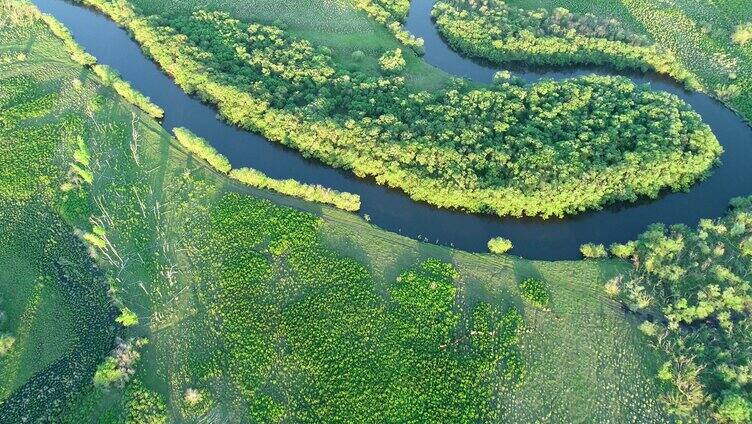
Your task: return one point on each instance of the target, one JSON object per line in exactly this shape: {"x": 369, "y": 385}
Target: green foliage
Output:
{"x": 493, "y": 30}
{"x": 391, "y": 13}
{"x": 623, "y": 251}
{"x": 108, "y": 373}
{"x": 553, "y": 148}
{"x": 392, "y": 62}
{"x": 593, "y": 251}
{"x": 202, "y": 149}
{"x": 253, "y": 178}
{"x": 535, "y": 291}
{"x": 697, "y": 280}
{"x": 127, "y": 318}
{"x": 143, "y": 406}
{"x": 6, "y": 343}
{"x": 742, "y": 34}
{"x": 735, "y": 409}
{"x": 404, "y": 358}
{"x": 312, "y": 193}
{"x": 499, "y": 245}
{"x": 111, "y": 78}
{"x": 76, "y": 52}
{"x": 697, "y": 33}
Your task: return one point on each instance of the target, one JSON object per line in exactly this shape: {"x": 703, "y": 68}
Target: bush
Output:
{"x": 623, "y": 251}
{"x": 6, "y": 343}
{"x": 499, "y": 245}
{"x": 742, "y": 34}
{"x": 392, "y": 61}
{"x": 357, "y": 56}
{"x": 593, "y": 251}
{"x": 110, "y": 77}
{"x": 108, "y": 373}
{"x": 535, "y": 292}
{"x": 735, "y": 409}
{"x": 127, "y": 318}
{"x": 312, "y": 193}
{"x": 201, "y": 148}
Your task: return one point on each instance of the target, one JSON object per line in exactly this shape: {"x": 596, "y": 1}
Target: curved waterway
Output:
{"x": 552, "y": 239}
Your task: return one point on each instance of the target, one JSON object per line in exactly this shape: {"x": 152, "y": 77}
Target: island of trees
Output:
{"x": 549, "y": 149}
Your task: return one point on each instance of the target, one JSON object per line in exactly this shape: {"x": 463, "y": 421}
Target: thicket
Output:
{"x": 494, "y": 31}
{"x": 593, "y": 251}
{"x": 110, "y": 77}
{"x": 312, "y": 193}
{"x": 253, "y": 178}
{"x": 553, "y": 148}
{"x": 31, "y": 228}
{"x": 742, "y": 34}
{"x": 202, "y": 149}
{"x": 76, "y": 52}
{"x": 698, "y": 282}
{"x": 107, "y": 74}
{"x": 499, "y": 245}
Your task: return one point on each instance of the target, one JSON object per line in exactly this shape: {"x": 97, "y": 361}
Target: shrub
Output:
{"x": 593, "y": 251}
{"x": 742, "y": 34}
{"x": 201, "y": 148}
{"x": 735, "y": 409}
{"x": 535, "y": 292}
{"x": 613, "y": 287}
{"x": 127, "y": 318}
{"x": 110, "y": 77}
{"x": 312, "y": 193}
{"x": 623, "y": 251}
{"x": 499, "y": 245}
{"x": 6, "y": 343}
{"x": 108, "y": 373}
{"x": 357, "y": 56}
{"x": 392, "y": 61}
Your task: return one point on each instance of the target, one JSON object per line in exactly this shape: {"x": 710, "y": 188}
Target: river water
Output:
{"x": 552, "y": 239}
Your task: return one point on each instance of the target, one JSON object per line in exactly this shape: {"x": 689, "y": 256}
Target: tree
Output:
{"x": 127, "y": 318}
{"x": 108, "y": 373}
{"x": 6, "y": 343}
{"x": 735, "y": 409}
{"x": 499, "y": 245}
{"x": 742, "y": 34}
{"x": 392, "y": 61}
{"x": 593, "y": 251}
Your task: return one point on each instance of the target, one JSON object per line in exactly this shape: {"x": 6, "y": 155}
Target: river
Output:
{"x": 392, "y": 210}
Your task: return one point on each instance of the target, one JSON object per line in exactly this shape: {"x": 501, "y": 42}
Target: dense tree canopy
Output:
{"x": 698, "y": 283}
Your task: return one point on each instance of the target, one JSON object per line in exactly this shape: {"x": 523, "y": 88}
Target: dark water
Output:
{"x": 392, "y": 210}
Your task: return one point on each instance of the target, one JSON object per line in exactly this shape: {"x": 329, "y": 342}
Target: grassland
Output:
{"x": 263, "y": 307}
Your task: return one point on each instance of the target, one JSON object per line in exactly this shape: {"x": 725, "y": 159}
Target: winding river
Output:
{"x": 553, "y": 239}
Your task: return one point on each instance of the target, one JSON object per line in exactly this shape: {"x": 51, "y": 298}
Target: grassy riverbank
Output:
{"x": 263, "y": 307}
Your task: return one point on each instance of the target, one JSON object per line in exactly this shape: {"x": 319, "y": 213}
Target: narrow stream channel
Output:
{"x": 554, "y": 239}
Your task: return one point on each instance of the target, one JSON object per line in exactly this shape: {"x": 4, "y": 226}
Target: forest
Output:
{"x": 697, "y": 282}
{"x": 493, "y": 150}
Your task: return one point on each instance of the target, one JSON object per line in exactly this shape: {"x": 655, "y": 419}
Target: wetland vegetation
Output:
{"x": 145, "y": 280}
